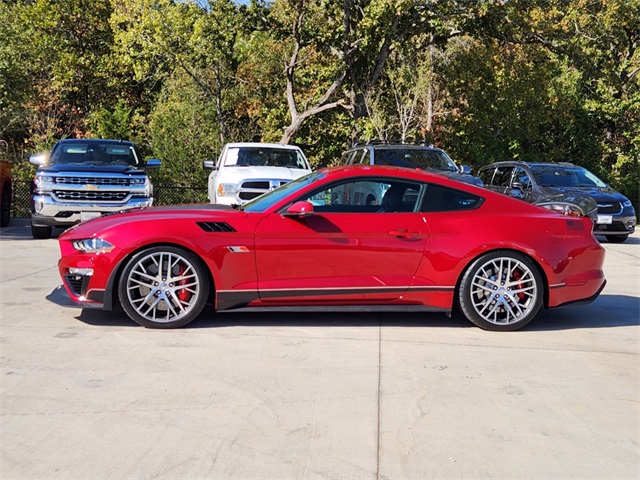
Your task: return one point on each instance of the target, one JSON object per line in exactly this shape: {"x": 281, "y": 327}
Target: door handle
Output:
{"x": 403, "y": 233}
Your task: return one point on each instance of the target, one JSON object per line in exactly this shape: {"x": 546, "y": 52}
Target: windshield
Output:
{"x": 266, "y": 201}
{"x": 264, "y": 157}
{"x": 94, "y": 153}
{"x": 415, "y": 158}
{"x": 562, "y": 176}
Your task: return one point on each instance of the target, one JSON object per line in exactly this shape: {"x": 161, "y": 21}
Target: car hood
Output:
{"x": 176, "y": 213}
{"x": 461, "y": 177}
{"x": 575, "y": 196}
{"x": 264, "y": 172}
{"x": 600, "y": 195}
{"x": 89, "y": 168}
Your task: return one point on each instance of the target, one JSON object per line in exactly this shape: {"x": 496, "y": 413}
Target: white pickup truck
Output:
{"x": 247, "y": 170}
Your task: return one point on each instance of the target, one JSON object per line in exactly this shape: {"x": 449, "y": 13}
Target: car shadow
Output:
{"x": 20, "y": 229}
{"x": 595, "y": 315}
{"x": 629, "y": 241}
{"x": 607, "y": 311}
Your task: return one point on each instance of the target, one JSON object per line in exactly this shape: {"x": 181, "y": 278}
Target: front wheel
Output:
{"x": 501, "y": 290}
{"x": 163, "y": 287}
{"x": 41, "y": 232}
{"x": 616, "y": 238}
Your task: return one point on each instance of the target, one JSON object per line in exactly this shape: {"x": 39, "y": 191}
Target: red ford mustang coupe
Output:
{"x": 356, "y": 236}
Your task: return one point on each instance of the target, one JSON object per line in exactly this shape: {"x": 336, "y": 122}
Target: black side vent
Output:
{"x": 216, "y": 227}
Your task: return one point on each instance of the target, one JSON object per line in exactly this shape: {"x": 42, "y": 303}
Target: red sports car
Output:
{"x": 363, "y": 236}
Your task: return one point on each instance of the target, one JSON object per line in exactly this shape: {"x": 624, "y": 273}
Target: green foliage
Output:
{"x": 182, "y": 132}
{"x": 548, "y": 80}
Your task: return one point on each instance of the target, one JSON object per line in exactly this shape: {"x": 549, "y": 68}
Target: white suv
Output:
{"x": 247, "y": 170}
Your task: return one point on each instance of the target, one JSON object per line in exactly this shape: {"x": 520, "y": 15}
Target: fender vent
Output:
{"x": 216, "y": 227}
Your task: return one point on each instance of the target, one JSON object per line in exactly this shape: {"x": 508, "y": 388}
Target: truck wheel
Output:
{"x": 163, "y": 287}
{"x": 5, "y": 207}
{"x": 501, "y": 290}
{"x": 41, "y": 232}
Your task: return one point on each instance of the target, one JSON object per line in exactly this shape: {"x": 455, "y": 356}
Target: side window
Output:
{"x": 502, "y": 178}
{"x": 366, "y": 196}
{"x": 522, "y": 177}
{"x": 355, "y": 157}
{"x": 362, "y": 157}
{"x": 486, "y": 176}
{"x": 443, "y": 199}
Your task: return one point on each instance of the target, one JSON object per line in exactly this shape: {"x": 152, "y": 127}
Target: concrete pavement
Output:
{"x": 91, "y": 395}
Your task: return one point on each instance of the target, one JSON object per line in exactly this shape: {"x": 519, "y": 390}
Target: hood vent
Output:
{"x": 216, "y": 227}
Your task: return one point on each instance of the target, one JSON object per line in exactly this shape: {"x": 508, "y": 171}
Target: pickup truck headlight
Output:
{"x": 93, "y": 245}
{"x": 227, "y": 189}
{"x": 40, "y": 180}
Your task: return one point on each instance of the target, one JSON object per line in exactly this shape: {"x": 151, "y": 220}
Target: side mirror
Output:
{"x": 153, "y": 163}
{"x": 299, "y": 209}
{"x": 465, "y": 169}
{"x": 209, "y": 164}
{"x": 38, "y": 160}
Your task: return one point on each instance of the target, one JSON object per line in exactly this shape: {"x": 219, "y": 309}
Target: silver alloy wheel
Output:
{"x": 504, "y": 291}
{"x": 163, "y": 287}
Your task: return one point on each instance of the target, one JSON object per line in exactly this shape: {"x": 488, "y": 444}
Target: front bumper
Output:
{"x": 46, "y": 212}
{"x": 620, "y": 225}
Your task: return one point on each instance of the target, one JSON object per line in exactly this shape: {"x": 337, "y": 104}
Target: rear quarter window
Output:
{"x": 444, "y": 199}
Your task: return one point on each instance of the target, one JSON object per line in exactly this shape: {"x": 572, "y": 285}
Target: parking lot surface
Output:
{"x": 87, "y": 394}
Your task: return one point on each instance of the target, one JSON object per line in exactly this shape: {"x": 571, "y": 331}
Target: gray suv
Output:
{"x": 565, "y": 186}
{"x": 422, "y": 156}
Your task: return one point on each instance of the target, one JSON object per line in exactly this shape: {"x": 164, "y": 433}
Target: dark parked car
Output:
{"x": 422, "y": 156}
{"x": 565, "y": 186}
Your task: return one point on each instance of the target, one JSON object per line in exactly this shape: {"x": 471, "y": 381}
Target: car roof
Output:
{"x": 408, "y": 174}
{"x": 93, "y": 140}
{"x": 262, "y": 145}
{"x": 512, "y": 163}
{"x": 393, "y": 146}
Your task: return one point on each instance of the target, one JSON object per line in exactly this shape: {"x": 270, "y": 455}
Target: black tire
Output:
{"x": 5, "y": 207}
{"x": 501, "y": 290}
{"x": 163, "y": 287}
{"x": 616, "y": 238}
{"x": 41, "y": 232}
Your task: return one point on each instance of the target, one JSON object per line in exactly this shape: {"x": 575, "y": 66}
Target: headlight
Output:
{"x": 627, "y": 203}
{"x": 93, "y": 245}
{"x": 564, "y": 209}
{"x": 227, "y": 189}
{"x": 40, "y": 180}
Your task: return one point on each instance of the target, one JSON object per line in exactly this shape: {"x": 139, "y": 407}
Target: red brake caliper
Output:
{"x": 516, "y": 276}
{"x": 183, "y": 294}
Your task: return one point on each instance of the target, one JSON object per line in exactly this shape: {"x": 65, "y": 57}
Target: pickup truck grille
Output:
{"x": 123, "y": 182}
{"x": 609, "y": 208}
{"x": 254, "y": 188}
{"x": 81, "y": 196}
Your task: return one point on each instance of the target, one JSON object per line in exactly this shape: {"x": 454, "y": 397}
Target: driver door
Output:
{"x": 350, "y": 250}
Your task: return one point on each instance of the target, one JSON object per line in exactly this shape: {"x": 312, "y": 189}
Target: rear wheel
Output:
{"x": 501, "y": 290}
{"x": 616, "y": 238}
{"x": 41, "y": 232}
{"x": 163, "y": 287}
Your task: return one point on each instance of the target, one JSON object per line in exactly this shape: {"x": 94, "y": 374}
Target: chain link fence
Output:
{"x": 162, "y": 195}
